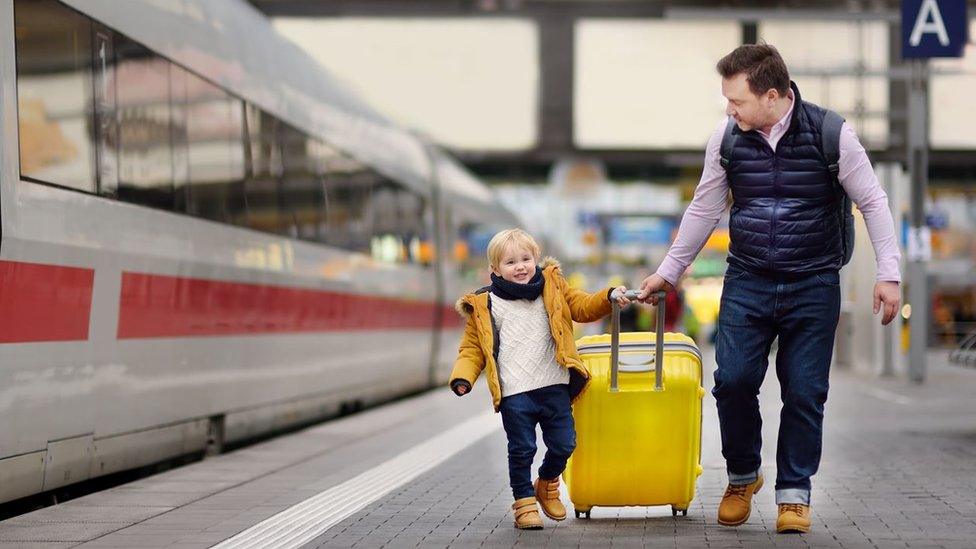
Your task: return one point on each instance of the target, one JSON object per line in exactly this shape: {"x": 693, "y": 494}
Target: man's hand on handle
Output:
{"x": 651, "y": 286}
{"x": 889, "y": 294}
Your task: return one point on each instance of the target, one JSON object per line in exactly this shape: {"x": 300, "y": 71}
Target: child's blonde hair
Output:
{"x": 511, "y": 237}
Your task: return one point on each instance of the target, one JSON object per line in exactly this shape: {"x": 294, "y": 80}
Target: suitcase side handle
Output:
{"x": 658, "y": 347}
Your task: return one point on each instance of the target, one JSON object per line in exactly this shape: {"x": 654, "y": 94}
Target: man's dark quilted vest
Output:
{"x": 784, "y": 203}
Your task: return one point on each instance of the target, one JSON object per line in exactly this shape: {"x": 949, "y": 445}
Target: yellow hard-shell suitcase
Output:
{"x": 638, "y": 425}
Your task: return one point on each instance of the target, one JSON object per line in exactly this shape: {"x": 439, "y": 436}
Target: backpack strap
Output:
{"x": 830, "y": 147}
{"x": 728, "y": 143}
{"x": 830, "y": 142}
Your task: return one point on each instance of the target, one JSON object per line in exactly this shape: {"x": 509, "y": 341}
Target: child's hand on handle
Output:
{"x": 651, "y": 286}
{"x": 620, "y": 295}
{"x": 460, "y": 387}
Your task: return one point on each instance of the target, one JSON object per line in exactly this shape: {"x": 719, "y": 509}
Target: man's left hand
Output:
{"x": 888, "y": 293}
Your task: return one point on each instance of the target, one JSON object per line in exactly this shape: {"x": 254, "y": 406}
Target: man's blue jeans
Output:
{"x": 803, "y": 314}
{"x": 550, "y": 408}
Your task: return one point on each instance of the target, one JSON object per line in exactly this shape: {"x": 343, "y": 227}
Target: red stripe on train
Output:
{"x": 169, "y": 306}
{"x": 44, "y": 302}
{"x": 451, "y": 319}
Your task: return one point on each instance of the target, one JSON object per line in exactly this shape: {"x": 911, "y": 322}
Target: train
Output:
{"x": 206, "y": 238}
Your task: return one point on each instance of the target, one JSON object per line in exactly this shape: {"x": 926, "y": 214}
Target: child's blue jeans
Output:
{"x": 548, "y": 407}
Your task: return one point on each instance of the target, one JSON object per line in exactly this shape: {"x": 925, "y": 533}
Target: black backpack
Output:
{"x": 830, "y": 147}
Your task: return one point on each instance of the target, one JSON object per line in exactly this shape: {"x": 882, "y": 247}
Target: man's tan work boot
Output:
{"x": 526, "y": 514}
{"x": 547, "y": 492}
{"x": 793, "y": 517}
{"x": 736, "y": 504}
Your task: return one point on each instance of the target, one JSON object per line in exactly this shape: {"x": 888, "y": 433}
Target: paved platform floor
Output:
{"x": 899, "y": 470}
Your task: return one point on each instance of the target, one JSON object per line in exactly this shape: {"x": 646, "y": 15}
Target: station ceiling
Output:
{"x": 556, "y": 17}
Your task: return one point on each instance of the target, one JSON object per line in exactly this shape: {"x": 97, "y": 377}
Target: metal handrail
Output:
{"x": 615, "y": 342}
{"x": 965, "y": 354}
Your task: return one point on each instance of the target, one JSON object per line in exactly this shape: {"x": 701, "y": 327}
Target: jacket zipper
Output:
{"x": 770, "y": 252}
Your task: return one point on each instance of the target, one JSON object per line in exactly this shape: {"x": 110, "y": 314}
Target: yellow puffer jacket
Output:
{"x": 564, "y": 305}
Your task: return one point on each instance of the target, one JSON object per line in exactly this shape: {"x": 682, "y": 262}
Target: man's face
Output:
{"x": 749, "y": 110}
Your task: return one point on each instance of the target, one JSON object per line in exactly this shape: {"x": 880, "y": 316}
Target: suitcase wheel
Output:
{"x": 581, "y": 513}
{"x": 674, "y": 511}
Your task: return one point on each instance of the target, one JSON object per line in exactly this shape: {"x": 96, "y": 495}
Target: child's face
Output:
{"x": 516, "y": 265}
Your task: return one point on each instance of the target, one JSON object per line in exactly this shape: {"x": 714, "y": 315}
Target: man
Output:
{"x": 782, "y": 280}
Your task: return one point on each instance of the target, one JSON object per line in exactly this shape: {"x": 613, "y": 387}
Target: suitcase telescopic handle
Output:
{"x": 615, "y": 340}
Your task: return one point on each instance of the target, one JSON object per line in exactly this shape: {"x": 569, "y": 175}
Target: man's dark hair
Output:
{"x": 762, "y": 65}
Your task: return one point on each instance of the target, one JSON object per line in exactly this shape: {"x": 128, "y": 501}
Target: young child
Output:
{"x": 520, "y": 333}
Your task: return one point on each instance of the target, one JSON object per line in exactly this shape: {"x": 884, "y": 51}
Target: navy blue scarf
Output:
{"x": 513, "y": 290}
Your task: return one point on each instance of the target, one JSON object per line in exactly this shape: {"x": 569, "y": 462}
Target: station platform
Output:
{"x": 899, "y": 470}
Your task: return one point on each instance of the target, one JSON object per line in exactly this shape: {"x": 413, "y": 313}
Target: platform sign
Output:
{"x": 937, "y": 220}
{"x": 650, "y": 230}
{"x": 920, "y": 244}
{"x": 933, "y": 28}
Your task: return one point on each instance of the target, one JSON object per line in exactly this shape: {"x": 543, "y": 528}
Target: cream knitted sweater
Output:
{"x": 526, "y": 351}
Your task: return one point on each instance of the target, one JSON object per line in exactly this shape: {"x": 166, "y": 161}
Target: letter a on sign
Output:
{"x": 933, "y": 28}
{"x": 929, "y": 20}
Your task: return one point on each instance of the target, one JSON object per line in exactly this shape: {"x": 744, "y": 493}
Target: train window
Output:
{"x": 348, "y": 193}
{"x": 303, "y": 190}
{"x": 262, "y": 182}
{"x": 178, "y": 77}
{"x": 99, "y": 112}
{"x": 145, "y": 135}
{"x": 386, "y": 244}
{"x": 215, "y": 151}
{"x": 417, "y": 218}
{"x": 263, "y": 153}
{"x": 54, "y": 94}
{"x": 328, "y": 164}
{"x": 106, "y": 127}
{"x": 400, "y": 218}
{"x": 470, "y": 249}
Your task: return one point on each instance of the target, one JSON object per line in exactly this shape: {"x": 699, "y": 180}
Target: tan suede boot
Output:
{"x": 793, "y": 517}
{"x": 547, "y": 492}
{"x": 736, "y": 504}
{"x": 526, "y": 514}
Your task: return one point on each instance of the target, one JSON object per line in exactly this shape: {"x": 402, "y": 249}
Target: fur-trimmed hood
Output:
{"x": 465, "y": 308}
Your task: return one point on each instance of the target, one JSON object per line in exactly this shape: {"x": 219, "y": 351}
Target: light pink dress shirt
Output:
{"x": 856, "y": 176}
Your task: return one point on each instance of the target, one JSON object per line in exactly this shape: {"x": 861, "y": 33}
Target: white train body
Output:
{"x": 131, "y": 334}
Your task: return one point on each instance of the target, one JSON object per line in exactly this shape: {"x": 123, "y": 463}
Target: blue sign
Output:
{"x": 933, "y": 28}
{"x": 587, "y": 219}
{"x": 937, "y": 219}
{"x": 640, "y": 230}
{"x": 478, "y": 239}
